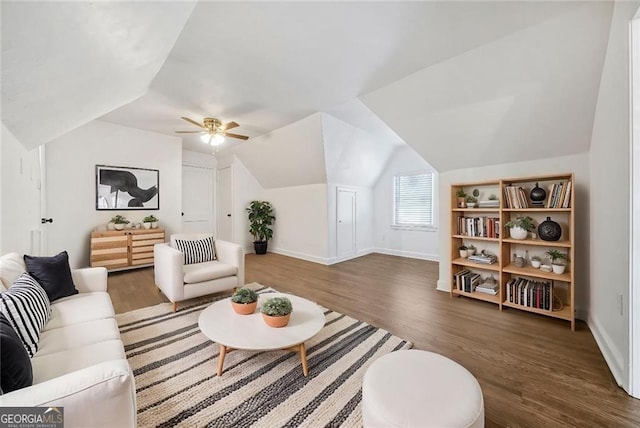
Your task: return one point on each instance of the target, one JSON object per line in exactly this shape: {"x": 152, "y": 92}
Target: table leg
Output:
{"x": 223, "y": 352}
{"x": 303, "y": 359}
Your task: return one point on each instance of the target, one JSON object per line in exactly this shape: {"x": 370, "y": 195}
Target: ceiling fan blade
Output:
{"x": 238, "y": 136}
{"x": 193, "y": 122}
{"x": 190, "y": 132}
{"x": 229, "y": 125}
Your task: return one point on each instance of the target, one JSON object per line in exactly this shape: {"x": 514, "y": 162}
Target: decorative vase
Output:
{"x": 276, "y": 322}
{"x": 519, "y": 261}
{"x": 559, "y": 269}
{"x": 244, "y": 308}
{"x": 518, "y": 233}
{"x": 154, "y": 225}
{"x": 537, "y": 196}
{"x": 147, "y": 225}
{"x": 118, "y": 226}
{"x": 549, "y": 230}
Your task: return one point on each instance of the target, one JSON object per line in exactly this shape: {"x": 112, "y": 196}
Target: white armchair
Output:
{"x": 181, "y": 282}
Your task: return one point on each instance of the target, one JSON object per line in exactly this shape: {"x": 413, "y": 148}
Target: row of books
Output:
{"x": 466, "y": 280}
{"x": 560, "y": 195}
{"x": 526, "y": 292}
{"x": 515, "y": 197}
{"x": 485, "y": 227}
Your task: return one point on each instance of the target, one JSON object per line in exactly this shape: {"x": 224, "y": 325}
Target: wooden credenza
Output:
{"x": 122, "y": 249}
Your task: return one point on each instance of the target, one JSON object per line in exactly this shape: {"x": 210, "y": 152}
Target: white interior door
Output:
{"x": 346, "y": 227}
{"x": 197, "y": 199}
{"x": 225, "y": 204}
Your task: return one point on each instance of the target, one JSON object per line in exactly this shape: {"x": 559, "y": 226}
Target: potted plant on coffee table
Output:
{"x": 260, "y": 220}
{"x": 276, "y": 311}
{"x": 558, "y": 261}
{"x": 244, "y": 301}
{"x": 520, "y": 227}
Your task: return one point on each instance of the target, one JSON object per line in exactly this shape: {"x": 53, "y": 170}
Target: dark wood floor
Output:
{"x": 534, "y": 371}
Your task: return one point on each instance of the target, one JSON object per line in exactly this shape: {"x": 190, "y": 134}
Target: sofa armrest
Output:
{"x": 90, "y": 279}
{"x": 102, "y": 395}
{"x": 167, "y": 269}
{"x": 232, "y": 254}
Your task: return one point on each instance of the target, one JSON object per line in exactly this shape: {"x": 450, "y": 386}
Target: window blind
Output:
{"x": 413, "y": 200}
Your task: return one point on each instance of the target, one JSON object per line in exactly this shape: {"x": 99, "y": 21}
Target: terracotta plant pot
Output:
{"x": 244, "y": 308}
{"x": 276, "y": 321}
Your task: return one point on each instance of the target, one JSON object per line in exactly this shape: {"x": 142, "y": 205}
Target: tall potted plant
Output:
{"x": 260, "y": 219}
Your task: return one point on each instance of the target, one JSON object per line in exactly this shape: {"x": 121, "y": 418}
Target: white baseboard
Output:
{"x": 614, "y": 359}
{"x": 334, "y": 260}
{"x": 443, "y": 286}
{"x": 410, "y": 254}
{"x": 298, "y": 255}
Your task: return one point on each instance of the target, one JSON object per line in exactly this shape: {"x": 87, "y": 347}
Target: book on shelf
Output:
{"x": 559, "y": 195}
{"x": 530, "y": 293}
{"x": 482, "y": 227}
{"x": 484, "y": 258}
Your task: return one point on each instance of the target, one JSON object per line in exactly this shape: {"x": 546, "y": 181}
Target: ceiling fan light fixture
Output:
{"x": 217, "y": 140}
{"x": 205, "y": 138}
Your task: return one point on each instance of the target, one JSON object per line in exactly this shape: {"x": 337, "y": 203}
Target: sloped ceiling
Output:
{"x": 529, "y": 95}
{"x": 66, "y": 63}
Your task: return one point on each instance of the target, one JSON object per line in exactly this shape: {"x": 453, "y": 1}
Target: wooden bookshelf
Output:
{"x": 515, "y": 202}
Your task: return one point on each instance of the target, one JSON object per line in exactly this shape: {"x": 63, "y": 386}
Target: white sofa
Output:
{"x": 181, "y": 282}
{"x": 80, "y": 364}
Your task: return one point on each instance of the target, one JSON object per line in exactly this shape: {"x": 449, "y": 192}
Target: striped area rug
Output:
{"x": 175, "y": 371}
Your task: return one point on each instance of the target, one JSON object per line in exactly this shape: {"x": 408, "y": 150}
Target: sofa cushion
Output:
{"x": 53, "y": 274}
{"x": 15, "y": 365}
{"x": 11, "y": 267}
{"x": 26, "y": 306}
{"x": 80, "y": 308}
{"x": 196, "y": 250}
{"x": 207, "y": 271}
{"x": 77, "y": 335}
{"x": 56, "y": 364}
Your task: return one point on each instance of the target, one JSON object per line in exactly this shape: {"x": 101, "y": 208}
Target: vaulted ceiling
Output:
{"x": 463, "y": 83}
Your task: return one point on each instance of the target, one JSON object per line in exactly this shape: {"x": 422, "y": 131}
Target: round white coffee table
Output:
{"x": 249, "y": 332}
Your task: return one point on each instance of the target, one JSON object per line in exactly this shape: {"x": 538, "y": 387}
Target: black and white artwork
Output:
{"x": 124, "y": 188}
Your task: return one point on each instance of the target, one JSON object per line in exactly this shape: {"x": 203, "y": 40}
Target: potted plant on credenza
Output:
{"x": 260, "y": 220}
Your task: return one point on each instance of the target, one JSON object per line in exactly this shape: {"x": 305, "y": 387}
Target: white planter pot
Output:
{"x": 518, "y": 233}
{"x": 464, "y": 254}
{"x": 471, "y": 204}
{"x": 147, "y": 224}
{"x": 154, "y": 225}
{"x": 117, "y": 226}
{"x": 559, "y": 269}
{"x": 536, "y": 264}
{"x": 471, "y": 251}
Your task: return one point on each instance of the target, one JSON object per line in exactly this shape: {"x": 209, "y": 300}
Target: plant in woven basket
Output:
{"x": 244, "y": 295}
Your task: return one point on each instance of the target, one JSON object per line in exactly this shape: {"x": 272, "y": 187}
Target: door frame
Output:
{"x": 213, "y": 191}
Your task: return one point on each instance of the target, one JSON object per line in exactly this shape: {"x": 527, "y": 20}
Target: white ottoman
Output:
{"x": 420, "y": 389}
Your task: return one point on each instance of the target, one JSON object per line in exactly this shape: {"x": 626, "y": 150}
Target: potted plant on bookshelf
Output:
{"x": 260, "y": 219}
{"x": 149, "y": 220}
{"x": 119, "y": 222}
{"x": 471, "y": 201}
{"x": 276, "y": 311}
{"x": 520, "y": 227}
{"x": 558, "y": 261}
{"x": 461, "y": 195}
{"x": 463, "y": 251}
{"x": 244, "y": 301}
{"x": 536, "y": 262}
{"x": 471, "y": 249}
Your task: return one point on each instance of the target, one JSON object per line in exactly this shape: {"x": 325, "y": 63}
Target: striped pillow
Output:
{"x": 196, "y": 250}
{"x": 27, "y": 308}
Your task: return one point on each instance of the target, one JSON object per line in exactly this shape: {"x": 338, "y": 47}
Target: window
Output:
{"x": 413, "y": 201}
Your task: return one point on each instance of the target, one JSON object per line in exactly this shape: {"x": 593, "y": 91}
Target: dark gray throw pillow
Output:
{"x": 53, "y": 274}
{"x": 15, "y": 365}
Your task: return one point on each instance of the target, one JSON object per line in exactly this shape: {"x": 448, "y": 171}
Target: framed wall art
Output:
{"x": 126, "y": 188}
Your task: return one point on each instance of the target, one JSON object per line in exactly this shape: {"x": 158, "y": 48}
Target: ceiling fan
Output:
{"x": 213, "y": 130}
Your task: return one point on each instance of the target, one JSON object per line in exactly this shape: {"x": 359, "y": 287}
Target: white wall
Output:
{"x": 578, "y": 164}
{"x": 70, "y": 171}
{"x": 364, "y": 220}
{"x": 609, "y": 208}
{"x": 245, "y": 189}
{"x": 300, "y": 229}
{"x": 408, "y": 243}
{"x": 20, "y": 195}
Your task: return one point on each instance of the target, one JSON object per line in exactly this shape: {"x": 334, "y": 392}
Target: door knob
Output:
{"x": 228, "y": 215}
{"x": 46, "y": 220}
